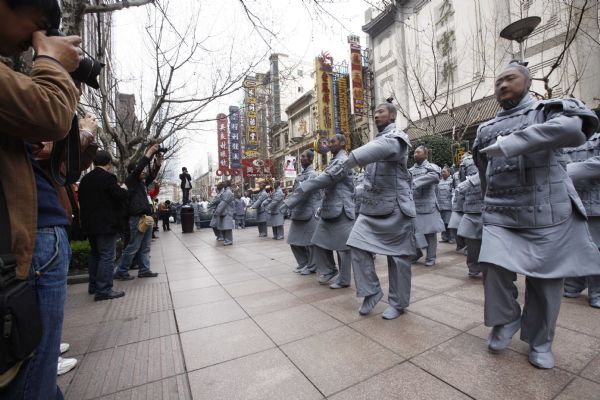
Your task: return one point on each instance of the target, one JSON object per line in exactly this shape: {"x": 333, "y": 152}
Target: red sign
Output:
{"x": 256, "y": 168}
{"x": 358, "y": 94}
{"x": 223, "y": 144}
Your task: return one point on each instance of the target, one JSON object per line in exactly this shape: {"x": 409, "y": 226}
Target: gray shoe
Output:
{"x": 337, "y": 285}
{"x": 392, "y": 313}
{"x": 370, "y": 302}
{"x": 325, "y": 278}
{"x": 500, "y": 335}
{"x": 299, "y": 268}
{"x": 595, "y": 303}
{"x": 227, "y": 243}
{"x": 307, "y": 271}
{"x": 430, "y": 262}
{"x": 541, "y": 360}
{"x": 571, "y": 295}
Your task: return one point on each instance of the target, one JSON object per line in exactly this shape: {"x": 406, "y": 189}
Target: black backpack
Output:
{"x": 20, "y": 320}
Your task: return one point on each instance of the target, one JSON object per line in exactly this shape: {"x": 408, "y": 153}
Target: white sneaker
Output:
{"x": 66, "y": 364}
{"x": 64, "y": 347}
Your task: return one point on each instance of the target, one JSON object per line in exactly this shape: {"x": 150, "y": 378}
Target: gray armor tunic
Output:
{"x": 471, "y": 226}
{"x": 224, "y": 212}
{"x": 385, "y": 223}
{"x": 261, "y": 213}
{"x": 534, "y": 222}
{"x": 444, "y": 198}
{"x": 584, "y": 171}
{"x": 275, "y": 217}
{"x": 457, "y": 204}
{"x": 304, "y": 208}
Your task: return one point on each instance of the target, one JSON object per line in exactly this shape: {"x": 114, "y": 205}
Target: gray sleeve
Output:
{"x": 481, "y": 162}
{"x": 588, "y": 169}
{"x": 258, "y": 201}
{"x": 432, "y": 177}
{"x": 560, "y": 131}
{"x": 380, "y": 149}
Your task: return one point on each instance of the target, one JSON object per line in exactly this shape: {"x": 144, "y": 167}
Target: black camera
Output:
{"x": 88, "y": 69}
{"x": 162, "y": 150}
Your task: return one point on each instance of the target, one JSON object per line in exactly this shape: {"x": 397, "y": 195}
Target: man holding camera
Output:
{"x": 186, "y": 184}
{"x": 139, "y": 207}
{"x": 36, "y": 108}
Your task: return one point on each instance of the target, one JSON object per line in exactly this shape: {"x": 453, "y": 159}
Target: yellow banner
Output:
{"x": 324, "y": 92}
{"x": 344, "y": 110}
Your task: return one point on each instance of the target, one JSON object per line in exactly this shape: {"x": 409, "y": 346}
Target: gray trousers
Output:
{"x": 473, "y": 248}
{"x": 227, "y": 235}
{"x": 576, "y": 285}
{"x": 324, "y": 260}
{"x": 460, "y": 241}
{"x": 431, "y": 245}
{"x": 218, "y": 233}
{"x": 302, "y": 254}
{"x": 262, "y": 228}
{"x": 367, "y": 282}
{"x": 542, "y": 304}
{"x": 448, "y": 234}
{"x": 278, "y": 232}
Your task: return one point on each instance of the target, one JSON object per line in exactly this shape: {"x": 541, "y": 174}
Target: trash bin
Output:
{"x": 187, "y": 219}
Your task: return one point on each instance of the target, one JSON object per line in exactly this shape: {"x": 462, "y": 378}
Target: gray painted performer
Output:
{"x": 275, "y": 217}
{"x": 470, "y": 226}
{"x": 425, "y": 177}
{"x": 533, "y": 220}
{"x": 444, "y": 191}
{"x": 224, "y": 212}
{"x": 261, "y": 213}
{"x": 304, "y": 221}
{"x": 457, "y": 213}
{"x": 385, "y": 224}
{"x": 336, "y": 216}
{"x": 215, "y": 219}
{"x": 584, "y": 171}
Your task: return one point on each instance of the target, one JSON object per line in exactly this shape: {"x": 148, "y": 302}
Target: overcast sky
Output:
{"x": 300, "y": 31}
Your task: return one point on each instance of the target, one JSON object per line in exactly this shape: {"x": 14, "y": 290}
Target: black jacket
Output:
{"x": 185, "y": 177}
{"x": 100, "y": 202}
{"x": 138, "y": 190}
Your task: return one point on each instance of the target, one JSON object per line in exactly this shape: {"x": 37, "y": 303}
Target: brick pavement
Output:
{"x": 236, "y": 323}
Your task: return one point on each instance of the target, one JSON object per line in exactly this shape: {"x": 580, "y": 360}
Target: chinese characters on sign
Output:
{"x": 235, "y": 153}
{"x": 344, "y": 112}
{"x": 323, "y": 67}
{"x": 223, "y": 144}
{"x": 256, "y": 168}
{"x": 358, "y": 96}
{"x": 251, "y": 115}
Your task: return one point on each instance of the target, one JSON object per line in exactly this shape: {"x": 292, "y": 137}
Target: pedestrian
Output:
{"x": 303, "y": 215}
{"x": 246, "y": 198}
{"x": 336, "y": 215}
{"x": 385, "y": 224}
{"x": 444, "y": 192}
{"x": 275, "y": 216}
{"x": 186, "y": 185}
{"x": 34, "y": 108}
{"x": 533, "y": 220}
{"x": 584, "y": 170}
{"x": 100, "y": 201}
{"x": 224, "y": 212}
{"x": 425, "y": 177}
{"x": 261, "y": 214}
{"x": 214, "y": 221}
{"x": 138, "y": 209}
{"x": 240, "y": 212}
{"x": 164, "y": 209}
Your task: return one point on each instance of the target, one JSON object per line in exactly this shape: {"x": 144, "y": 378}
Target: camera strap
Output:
{"x": 5, "y": 234}
{"x": 70, "y": 147}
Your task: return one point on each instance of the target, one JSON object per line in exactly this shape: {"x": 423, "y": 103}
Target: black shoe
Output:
{"x": 125, "y": 277}
{"x": 108, "y": 296}
{"x": 147, "y": 274}
{"x": 91, "y": 290}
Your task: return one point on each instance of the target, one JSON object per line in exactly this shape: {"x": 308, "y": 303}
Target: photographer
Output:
{"x": 186, "y": 185}
{"x": 139, "y": 208}
{"x": 36, "y": 108}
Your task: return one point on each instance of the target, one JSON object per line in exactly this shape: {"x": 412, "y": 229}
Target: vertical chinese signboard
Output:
{"x": 344, "y": 111}
{"x": 223, "y": 144}
{"x": 251, "y": 116}
{"x": 235, "y": 154}
{"x": 323, "y": 67}
{"x": 358, "y": 94}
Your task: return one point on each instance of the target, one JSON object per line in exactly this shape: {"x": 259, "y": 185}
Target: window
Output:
{"x": 300, "y": 72}
{"x": 300, "y": 89}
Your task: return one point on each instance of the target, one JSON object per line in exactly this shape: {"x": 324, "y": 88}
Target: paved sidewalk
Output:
{"x": 236, "y": 323}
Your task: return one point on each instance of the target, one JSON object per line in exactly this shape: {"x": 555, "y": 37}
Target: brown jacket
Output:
{"x": 33, "y": 108}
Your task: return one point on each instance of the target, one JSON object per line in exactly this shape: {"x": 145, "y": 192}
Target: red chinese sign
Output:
{"x": 223, "y": 144}
{"x": 358, "y": 94}
{"x": 256, "y": 168}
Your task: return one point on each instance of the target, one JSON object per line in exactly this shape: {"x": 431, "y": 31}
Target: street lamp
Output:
{"x": 519, "y": 31}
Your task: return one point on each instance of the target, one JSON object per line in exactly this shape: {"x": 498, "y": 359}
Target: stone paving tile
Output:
{"x": 407, "y": 335}
{"x": 192, "y": 283}
{"x": 250, "y": 287}
{"x": 184, "y": 275}
{"x": 216, "y": 344}
{"x": 456, "y": 313}
{"x": 339, "y": 358}
{"x": 295, "y": 323}
{"x": 112, "y": 370}
{"x": 79, "y": 338}
{"x": 84, "y": 312}
{"x": 437, "y": 283}
{"x": 577, "y": 317}
{"x": 592, "y": 371}
{"x": 174, "y": 388}
{"x": 467, "y": 365}
{"x": 470, "y": 292}
{"x": 572, "y": 350}
{"x": 580, "y": 389}
{"x": 203, "y": 315}
{"x": 225, "y": 278}
{"x": 134, "y": 329}
{"x": 345, "y": 307}
{"x": 268, "y": 375}
{"x": 140, "y": 299}
{"x": 404, "y": 381}
{"x": 194, "y": 297}
{"x": 266, "y": 302}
